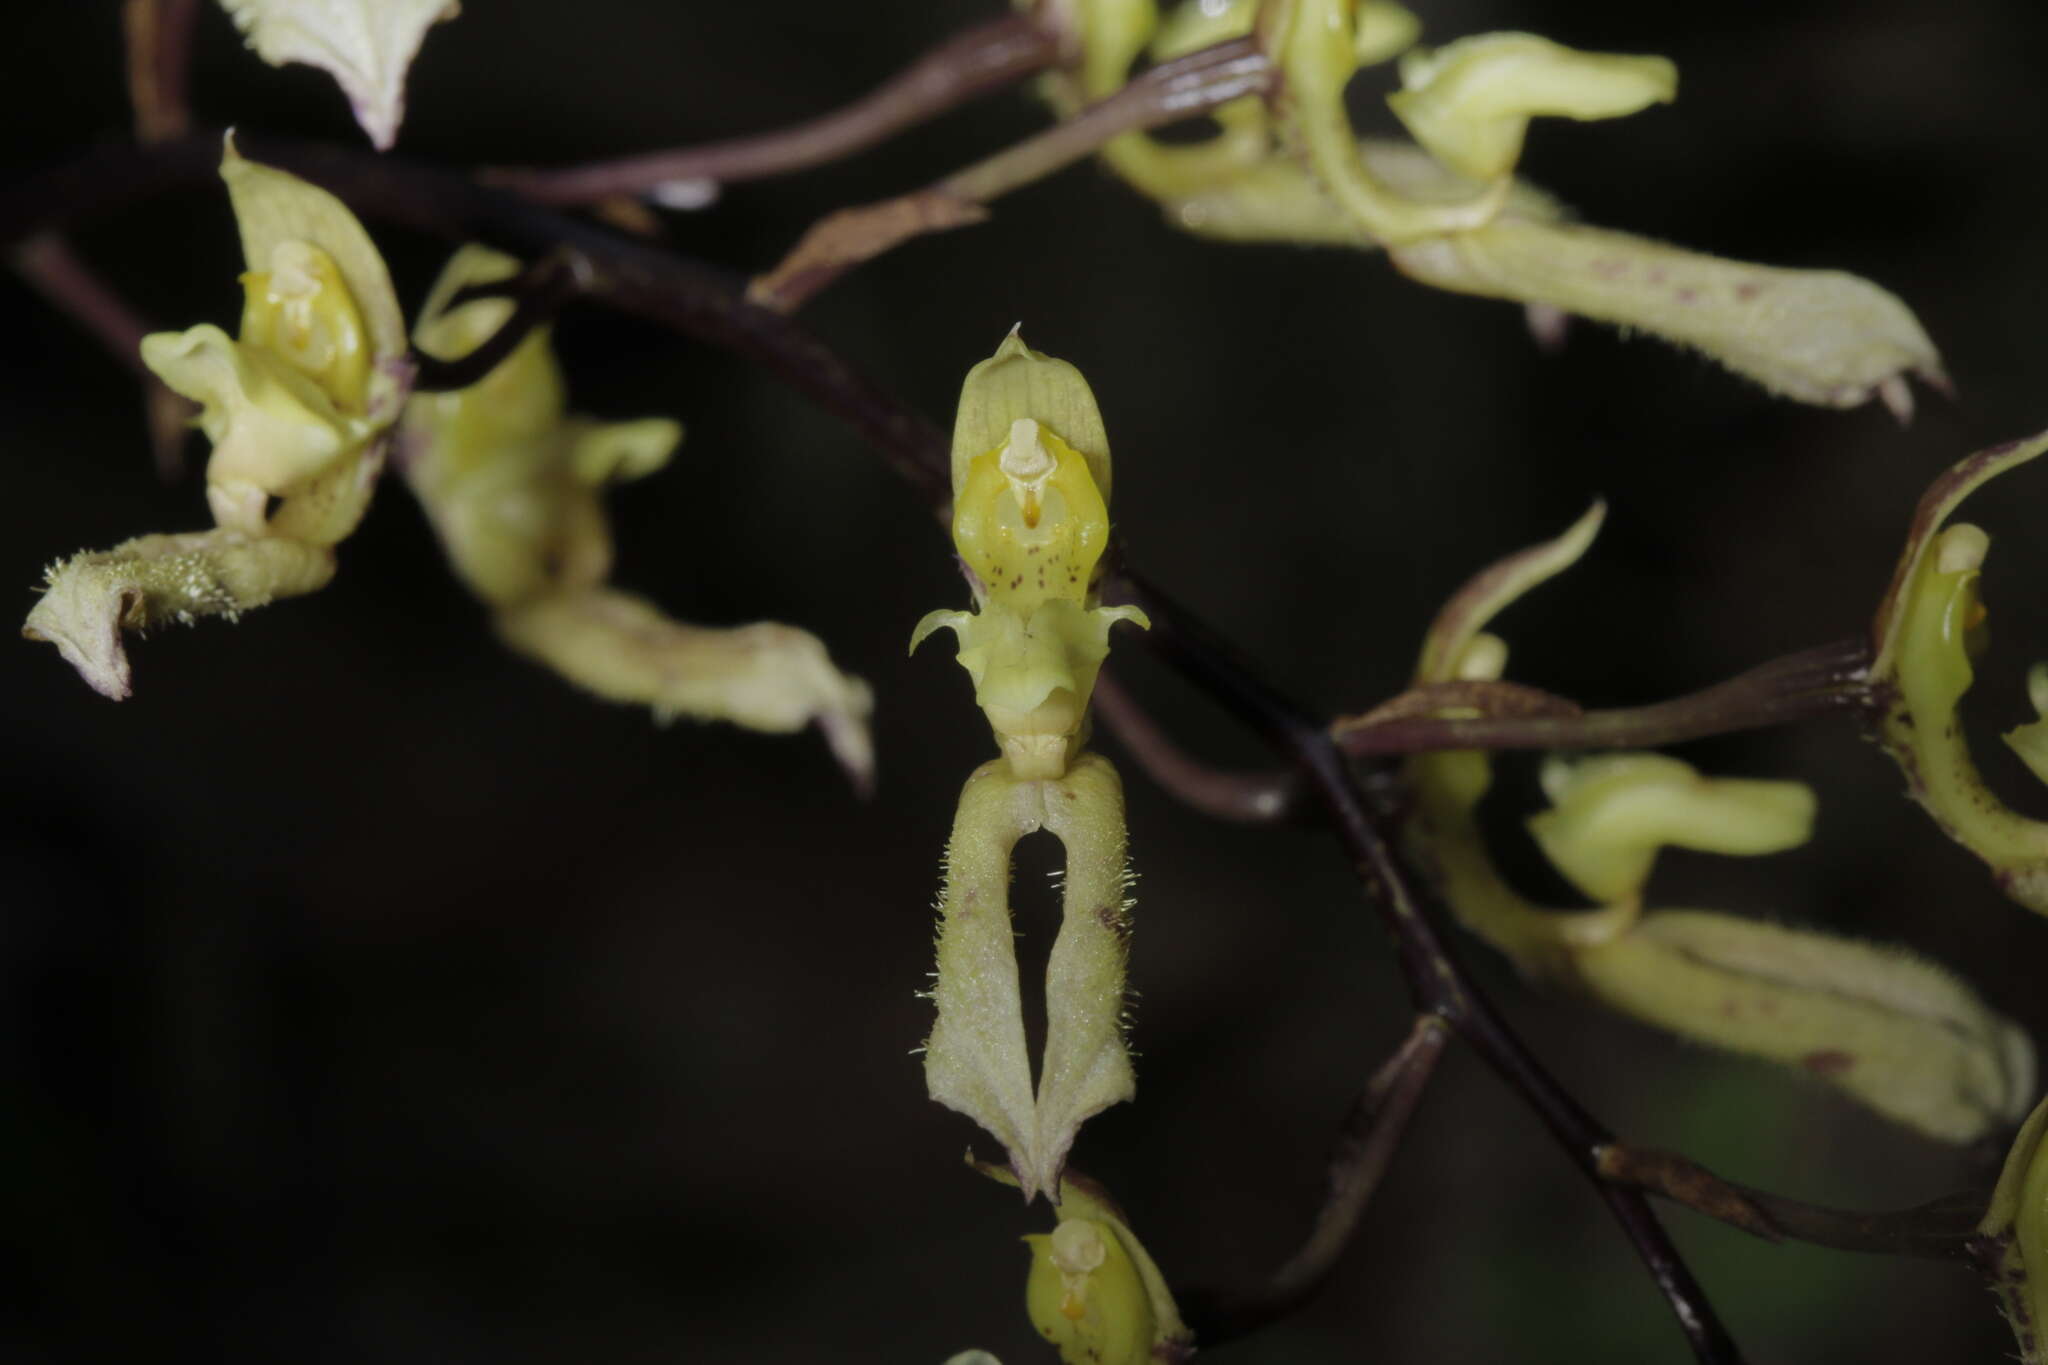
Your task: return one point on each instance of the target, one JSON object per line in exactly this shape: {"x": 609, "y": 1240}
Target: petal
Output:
{"x": 272, "y": 428}
{"x": 1898, "y": 1034}
{"x": 1086, "y": 1067}
{"x": 765, "y": 676}
{"x": 615, "y": 452}
{"x": 90, "y": 599}
{"x": 1469, "y": 103}
{"x": 1611, "y": 815}
{"x": 1815, "y": 336}
{"x": 1018, "y": 382}
{"x": 524, "y": 397}
{"x": 1493, "y": 589}
{"x": 976, "y": 1060}
{"x": 274, "y": 207}
{"x": 366, "y": 45}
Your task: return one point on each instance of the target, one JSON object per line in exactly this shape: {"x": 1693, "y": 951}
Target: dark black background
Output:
{"x": 367, "y": 994}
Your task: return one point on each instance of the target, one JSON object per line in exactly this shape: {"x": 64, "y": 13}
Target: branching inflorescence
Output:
{"x": 320, "y": 390}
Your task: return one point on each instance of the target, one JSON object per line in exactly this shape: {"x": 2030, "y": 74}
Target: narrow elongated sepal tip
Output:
{"x": 934, "y": 621}
{"x": 1492, "y": 591}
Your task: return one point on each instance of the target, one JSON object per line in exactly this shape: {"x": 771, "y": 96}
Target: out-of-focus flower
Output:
{"x": 1896, "y": 1033}
{"x": 1449, "y": 212}
{"x": 514, "y": 486}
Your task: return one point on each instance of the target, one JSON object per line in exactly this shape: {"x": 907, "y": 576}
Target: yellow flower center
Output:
{"x": 301, "y": 309}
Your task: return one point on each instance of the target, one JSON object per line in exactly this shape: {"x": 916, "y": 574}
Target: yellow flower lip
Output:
{"x": 1029, "y": 520}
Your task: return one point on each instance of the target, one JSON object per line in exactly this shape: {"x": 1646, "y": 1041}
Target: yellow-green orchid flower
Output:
{"x": 1924, "y": 635}
{"x": 1898, "y": 1034}
{"x": 1449, "y": 212}
{"x": 1093, "y": 1290}
{"x": 514, "y": 486}
{"x": 299, "y": 408}
{"x": 1031, "y": 481}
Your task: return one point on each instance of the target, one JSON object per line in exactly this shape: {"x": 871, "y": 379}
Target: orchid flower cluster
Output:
{"x": 316, "y": 394}
{"x": 1897, "y": 1033}
{"x": 1446, "y": 206}
{"x": 308, "y": 402}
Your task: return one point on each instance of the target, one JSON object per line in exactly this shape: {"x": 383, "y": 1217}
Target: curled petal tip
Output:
{"x": 1548, "y": 326}
{"x": 1897, "y": 396}
{"x": 846, "y": 735}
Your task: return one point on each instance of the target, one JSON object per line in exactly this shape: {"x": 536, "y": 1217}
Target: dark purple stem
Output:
{"x": 1826, "y": 680}
{"x": 1366, "y": 1143}
{"x": 1437, "y": 983}
{"x": 985, "y": 58}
